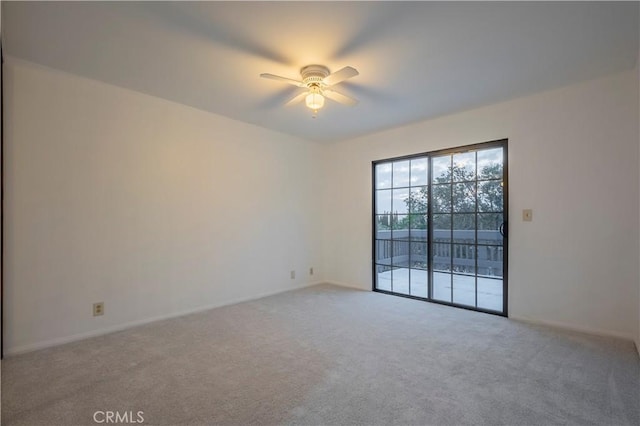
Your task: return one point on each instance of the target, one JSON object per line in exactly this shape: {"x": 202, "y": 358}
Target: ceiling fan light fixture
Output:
{"x": 314, "y": 100}
{"x": 319, "y": 84}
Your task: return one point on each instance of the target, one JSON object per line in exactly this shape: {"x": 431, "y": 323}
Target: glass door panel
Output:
{"x": 471, "y": 265}
{"x": 401, "y": 226}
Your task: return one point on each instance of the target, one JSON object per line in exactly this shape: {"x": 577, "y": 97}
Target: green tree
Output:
{"x": 490, "y": 194}
{"x": 454, "y": 191}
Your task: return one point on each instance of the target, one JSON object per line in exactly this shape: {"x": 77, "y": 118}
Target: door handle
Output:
{"x": 503, "y": 229}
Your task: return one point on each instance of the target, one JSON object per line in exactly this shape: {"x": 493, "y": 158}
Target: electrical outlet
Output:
{"x": 293, "y": 275}
{"x": 311, "y": 271}
{"x": 527, "y": 215}
{"x": 98, "y": 309}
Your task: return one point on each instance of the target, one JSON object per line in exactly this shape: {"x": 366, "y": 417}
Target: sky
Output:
{"x": 414, "y": 172}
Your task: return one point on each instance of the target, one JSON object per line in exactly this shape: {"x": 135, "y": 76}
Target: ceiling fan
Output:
{"x": 318, "y": 83}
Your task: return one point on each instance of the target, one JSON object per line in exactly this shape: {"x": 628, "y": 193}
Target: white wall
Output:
{"x": 158, "y": 209}
{"x": 573, "y": 159}
{"x": 152, "y": 207}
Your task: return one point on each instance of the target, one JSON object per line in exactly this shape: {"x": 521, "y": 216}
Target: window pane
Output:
{"x": 383, "y": 201}
{"x": 441, "y": 169}
{"x": 383, "y": 176}
{"x": 383, "y": 277}
{"x": 464, "y": 167}
{"x": 419, "y": 171}
{"x": 441, "y": 253}
{"x": 383, "y": 251}
{"x": 401, "y": 173}
{"x": 418, "y": 255}
{"x": 464, "y": 228}
{"x": 489, "y": 228}
{"x": 441, "y": 198}
{"x": 490, "y": 260}
{"x": 490, "y": 196}
{"x": 418, "y": 200}
{"x": 490, "y": 294}
{"x": 442, "y": 286}
{"x": 400, "y": 226}
{"x": 383, "y": 227}
{"x": 400, "y": 254}
{"x": 464, "y": 290}
{"x": 419, "y": 282}
{"x": 400, "y": 201}
{"x": 464, "y": 258}
{"x": 418, "y": 227}
{"x": 490, "y": 163}
{"x": 441, "y": 227}
{"x": 401, "y": 280}
{"x": 464, "y": 197}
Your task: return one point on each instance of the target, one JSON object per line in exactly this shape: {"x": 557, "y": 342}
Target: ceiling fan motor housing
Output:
{"x": 312, "y": 75}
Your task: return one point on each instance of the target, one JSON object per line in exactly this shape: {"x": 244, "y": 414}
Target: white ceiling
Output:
{"x": 416, "y": 60}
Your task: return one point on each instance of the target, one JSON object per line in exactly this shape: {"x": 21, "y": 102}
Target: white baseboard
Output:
{"x": 131, "y": 324}
{"x": 351, "y": 286}
{"x": 579, "y": 329}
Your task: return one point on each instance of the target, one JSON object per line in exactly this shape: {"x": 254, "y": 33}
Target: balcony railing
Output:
{"x": 455, "y": 251}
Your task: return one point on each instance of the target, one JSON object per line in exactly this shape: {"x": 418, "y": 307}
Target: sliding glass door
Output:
{"x": 439, "y": 226}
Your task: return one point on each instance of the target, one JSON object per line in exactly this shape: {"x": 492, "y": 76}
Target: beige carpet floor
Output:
{"x": 330, "y": 356}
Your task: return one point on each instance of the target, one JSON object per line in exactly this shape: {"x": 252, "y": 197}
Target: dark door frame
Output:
{"x": 2, "y": 180}
{"x": 503, "y": 143}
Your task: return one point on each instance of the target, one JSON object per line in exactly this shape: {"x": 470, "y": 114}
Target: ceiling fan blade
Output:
{"x": 296, "y": 99}
{"x": 340, "y": 98}
{"x": 283, "y": 79}
{"x": 340, "y": 75}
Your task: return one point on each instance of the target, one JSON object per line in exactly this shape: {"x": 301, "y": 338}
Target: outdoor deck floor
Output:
{"x": 414, "y": 282}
